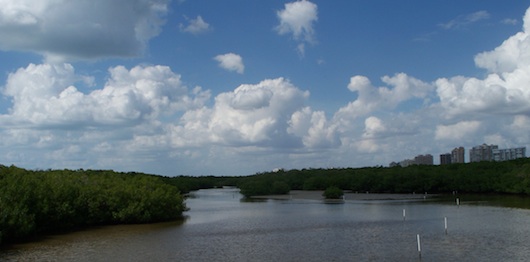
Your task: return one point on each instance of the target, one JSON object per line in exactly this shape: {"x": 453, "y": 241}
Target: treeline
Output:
{"x": 511, "y": 177}
{"x": 39, "y": 202}
{"x": 35, "y": 202}
{"x": 187, "y": 184}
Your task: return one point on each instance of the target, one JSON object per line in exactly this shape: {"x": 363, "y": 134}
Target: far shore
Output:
{"x": 317, "y": 195}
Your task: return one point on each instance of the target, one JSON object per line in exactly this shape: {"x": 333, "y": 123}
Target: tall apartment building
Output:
{"x": 509, "y": 153}
{"x": 483, "y": 152}
{"x": 458, "y": 155}
{"x": 445, "y": 159}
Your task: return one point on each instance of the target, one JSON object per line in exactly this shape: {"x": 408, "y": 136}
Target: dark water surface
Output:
{"x": 222, "y": 227}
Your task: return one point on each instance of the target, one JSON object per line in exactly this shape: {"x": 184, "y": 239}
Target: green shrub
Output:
{"x": 333, "y": 192}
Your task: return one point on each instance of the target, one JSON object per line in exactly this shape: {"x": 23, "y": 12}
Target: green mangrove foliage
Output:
{"x": 38, "y": 202}
{"x": 187, "y": 184}
{"x": 266, "y": 184}
{"x": 508, "y": 177}
{"x": 333, "y": 192}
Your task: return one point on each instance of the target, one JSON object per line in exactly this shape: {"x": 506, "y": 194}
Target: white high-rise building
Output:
{"x": 509, "y": 153}
{"x": 493, "y": 153}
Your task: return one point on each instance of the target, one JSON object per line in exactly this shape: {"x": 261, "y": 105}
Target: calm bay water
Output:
{"x": 222, "y": 227}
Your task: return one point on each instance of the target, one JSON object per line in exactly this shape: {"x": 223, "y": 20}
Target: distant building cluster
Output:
{"x": 486, "y": 152}
{"x": 478, "y": 153}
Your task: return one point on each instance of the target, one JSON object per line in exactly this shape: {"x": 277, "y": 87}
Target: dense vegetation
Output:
{"x": 37, "y": 202}
{"x": 511, "y": 177}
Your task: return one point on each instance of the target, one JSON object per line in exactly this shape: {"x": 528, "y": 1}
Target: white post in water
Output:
{"x": 419, "y": 244}
{"x": 445, "y": 223}
{"x": 458, "y": 201}
{"x": 404, "y": 214}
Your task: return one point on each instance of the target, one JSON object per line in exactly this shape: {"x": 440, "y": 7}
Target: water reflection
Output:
{"x": 514, "y": 201}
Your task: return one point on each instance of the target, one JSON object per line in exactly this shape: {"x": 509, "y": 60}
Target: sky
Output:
{"x": 238, "y": 87}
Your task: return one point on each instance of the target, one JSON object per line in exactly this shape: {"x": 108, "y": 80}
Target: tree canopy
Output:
{"x": 35, "y": 202}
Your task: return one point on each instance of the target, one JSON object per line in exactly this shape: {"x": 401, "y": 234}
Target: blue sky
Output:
{"x": 239, "y": 87}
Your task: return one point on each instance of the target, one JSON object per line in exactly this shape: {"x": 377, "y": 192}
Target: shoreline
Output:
{"x": 317, "y": 195}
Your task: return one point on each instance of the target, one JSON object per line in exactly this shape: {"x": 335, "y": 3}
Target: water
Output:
{"x": 222, "y": 227}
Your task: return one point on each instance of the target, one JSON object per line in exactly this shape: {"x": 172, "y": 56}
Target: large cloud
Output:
{"x": 255, "y": 113}
{"x": 252, "y": 115}
{"x": 78, "y": 29}
{"x": 371, "y": 98}
{"x": 314, "y": 129}
{"x": 270, "y": 114}
{"x": 45, "y": 95}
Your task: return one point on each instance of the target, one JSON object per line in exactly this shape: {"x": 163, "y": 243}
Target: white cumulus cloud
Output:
{"x": 513, "y": 53}
{"x": 314, "y": 129}
{"x": 373, "y": 126}
{"x": 252, "y": 115}
{"x": 255, "y": 113}
{"x": 231, "y": 62}
{"x": 46, "y": 95}
{"x": 371, "y": 98}
{"x": 297, "y": 18}
{"x": 503, "y": 91}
